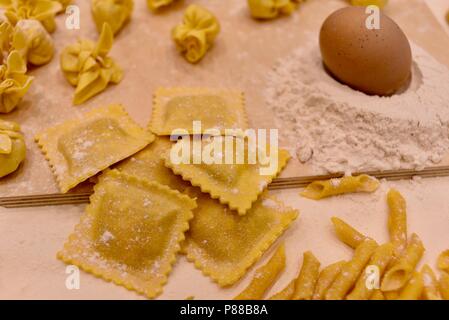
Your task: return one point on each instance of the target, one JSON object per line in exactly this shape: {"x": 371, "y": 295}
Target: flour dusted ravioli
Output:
{"x": 223, "y": 244}
{"x": 177, "y": 108}
{"x": 149, "y": 164}
{"x": 79, "y": 149}
{"x": 130, "y": 233}
{"x": 237, "y": 185}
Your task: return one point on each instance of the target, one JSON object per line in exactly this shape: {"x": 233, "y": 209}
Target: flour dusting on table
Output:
{"x": 335, "y": 128}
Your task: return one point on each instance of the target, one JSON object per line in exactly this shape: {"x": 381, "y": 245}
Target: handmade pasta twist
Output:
{"x": 115, "y": 13}
{"x": 155, "y": 5}
{"x": 87, "y": 66}
{"x": 12, "y": 147}
{"x": 43, "y": 11}
{"x": 14, "y": 82}
{"x": 269, "y": 9}
{"x": 195, "y": 35}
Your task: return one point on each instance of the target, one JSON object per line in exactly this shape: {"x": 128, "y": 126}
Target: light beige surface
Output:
{"x": 30, "y": 238}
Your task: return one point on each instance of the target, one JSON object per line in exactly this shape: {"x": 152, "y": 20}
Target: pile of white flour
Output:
{"x": 335, "y": 128}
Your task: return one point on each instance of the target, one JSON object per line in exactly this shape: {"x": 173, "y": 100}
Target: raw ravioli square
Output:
{"x": 223, "y": 245}
{"x": 236, "y": 185}
{"x": 79, "y": 149}
{"x": 149, "y": 164}
{"x": 178, "y": 108}
{"x": 130, "y": 233}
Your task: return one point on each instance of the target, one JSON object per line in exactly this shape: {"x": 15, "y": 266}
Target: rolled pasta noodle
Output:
{"x": 443, "y": 261}
{"x": 377, "y": 295}
{"x": 443, "y": 285}
{"x": 351, "y": 271}
{"x": 430, "y": 291}
{"x": 325, "y": 279}
{"x": 413, "y": 289}
{"x": 307, "y": 278}
{"x": 265, "y": 276}
{"x": 401, "y": 272}
{"x": 286, "y": 293}
{"x": 397, "y": 220}
{"x": 380, "y": 260}
{"x": 347, "y": 234}
{"x": 326, "y": 188}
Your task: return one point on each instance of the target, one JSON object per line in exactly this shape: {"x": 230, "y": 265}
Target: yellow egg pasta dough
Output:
{"x": 87, "y": 66}
{"x": 149, "y": 164}
{"x": 223, "y": 245}
{"x": 178, "y": 108}
{"x": 155, "y": 5}
{"x": 236, "y": 185}
{"x": 43, "y": 11}
{"x": 79, "y": 149}
{"x": 113, "y": 12}
{"x": 130, "y": 233}
{"x": 14, "y": 82}
{"x": 269, "y": 9}
{"x": 12, "y": 147}
{"x": 196, "y": 34}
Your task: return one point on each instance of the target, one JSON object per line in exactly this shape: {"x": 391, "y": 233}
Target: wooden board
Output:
{"x": 244, "y": 53}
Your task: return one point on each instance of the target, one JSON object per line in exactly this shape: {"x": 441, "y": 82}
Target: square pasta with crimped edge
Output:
{"x": 235, "y": 181}
{"x": 224, "y": 245}
{"x": 178, "y": 108}
{"x": 130, "y": 233}
{"x": 80, "y": 148}
{"x": 149, "y": 164}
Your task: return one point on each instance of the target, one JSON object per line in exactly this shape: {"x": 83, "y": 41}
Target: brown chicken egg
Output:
{"x": 374, "y": 61}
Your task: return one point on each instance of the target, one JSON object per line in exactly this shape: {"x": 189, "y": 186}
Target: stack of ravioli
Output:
{"x": 146, "y": 208}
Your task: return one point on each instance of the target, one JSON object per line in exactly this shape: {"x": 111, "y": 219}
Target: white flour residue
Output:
{"x": 335, "y": 128}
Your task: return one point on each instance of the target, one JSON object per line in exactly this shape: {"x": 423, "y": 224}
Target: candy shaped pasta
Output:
{"x": 307, "y": 278}
{"x": 413, "y": 289}
{"x": 326, "y": 188}
{"x": 326, "y": 278}
{"x": 43, "y": 11}
{"x": 397, "y": 220}
{"x": 12, "y": 147}
{"x": 14, "y": 82}
{"x": 430, "y": 290}
{"x": 269, "y": 9}
{"x": 347, "y": 234}
{"x": 351, "y": 271}
{"x": 196, "y": 34}
{"x": 115, "y": 13}
{"x": 33, "y": 42}
{"x": 265, "y": 276}
{"x": 401, "y": 272}
{"x": 443, "y": 261}
{"x": 87, "y": 66}
{"x": 155, "y": 5}
{"x": 379, "y": 3}
{"x": 379, "y": 260}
